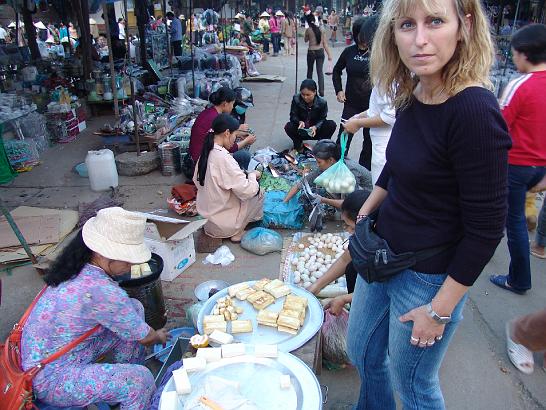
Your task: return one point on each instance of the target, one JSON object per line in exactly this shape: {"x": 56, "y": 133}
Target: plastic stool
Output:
{"x": 44, "y": 406}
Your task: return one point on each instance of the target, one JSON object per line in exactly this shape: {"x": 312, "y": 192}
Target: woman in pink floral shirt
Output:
{"x": 81, "y": 294}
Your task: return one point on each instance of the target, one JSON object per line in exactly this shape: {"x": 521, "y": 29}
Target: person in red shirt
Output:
{"x": 522, "y": 104}
{"x": 222, "y": 101}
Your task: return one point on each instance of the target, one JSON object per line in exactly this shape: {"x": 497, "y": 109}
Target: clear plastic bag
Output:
{"x": 334, "y": 338}
{"x": 261, "y": 241}
{"x": 338, "y": 179}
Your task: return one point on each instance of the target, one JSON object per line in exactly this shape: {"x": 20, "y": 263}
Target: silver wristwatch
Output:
{"x": 442, "y": 320}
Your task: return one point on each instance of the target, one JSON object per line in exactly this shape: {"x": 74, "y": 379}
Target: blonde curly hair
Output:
{"x": 470, "y": 64}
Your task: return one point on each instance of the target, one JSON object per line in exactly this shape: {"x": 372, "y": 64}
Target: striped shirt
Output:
{"x": 523, "y": 105}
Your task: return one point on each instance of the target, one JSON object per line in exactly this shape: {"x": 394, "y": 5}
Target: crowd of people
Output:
{"x": 444, "y": 171}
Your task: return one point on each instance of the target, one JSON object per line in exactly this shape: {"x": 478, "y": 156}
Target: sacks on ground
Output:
{"x": 334, "y": 338}
{"x": 261, "y": 241}
{"x": 278, "y": 214}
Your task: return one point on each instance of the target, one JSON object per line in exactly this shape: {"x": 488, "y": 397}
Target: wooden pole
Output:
{"x": 82, "y": 14}
{"x": 193, "y": 29}
{"x": 18, "y": 234}
{"x": 169, "y": 53}
{"x": 17, "y": 29}
{"x": 31, "y": 33}
{"x": 133, "y": 97}
{"x": 111, "y": 60}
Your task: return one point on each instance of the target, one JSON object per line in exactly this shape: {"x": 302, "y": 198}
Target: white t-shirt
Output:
{"x": 380, "y": 105}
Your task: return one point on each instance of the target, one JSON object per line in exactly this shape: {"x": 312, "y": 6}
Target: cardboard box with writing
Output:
{"x": 172, "y": 239}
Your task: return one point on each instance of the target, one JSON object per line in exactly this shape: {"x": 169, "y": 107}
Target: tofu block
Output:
{"x": 273, "y": 284}
{"x": 220, "y": 337}
{"x": 213, "y": 318}
{"x": 287, "y": 330}
{"x": 135, "y": 271}
{"x": 244, "y": 293}
{"x": 232, "y": 290}
{"x": 266, "y": 351}
{"x": 285, "y": 381}
{"x": 182, "y": 381}
{"x": 241, "y": 326}
{"x": 267, "y": 318}
{"x": 210, "y": 354}
{"x": 297, "y": 299}
{"x": 212, "y": 326}
{"x": 233, "y": 350}
{"x": 289, "y": 321}
{"x": 169, "y": 400}
{"x": 194, "y": 364}
{"x": 280, "y": 291}
{"x": 261, "y": 283}
{"x": 145, "y": 269}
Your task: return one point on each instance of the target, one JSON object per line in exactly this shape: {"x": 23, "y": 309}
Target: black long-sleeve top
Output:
{"x": 358, "y": 87}
{"x": 446, "y": 177}
{"x": 313, "y": 115}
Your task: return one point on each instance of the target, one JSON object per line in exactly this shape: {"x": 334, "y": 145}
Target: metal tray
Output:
{"x": 259, "y": 382}
{"x": 269, "y": 335}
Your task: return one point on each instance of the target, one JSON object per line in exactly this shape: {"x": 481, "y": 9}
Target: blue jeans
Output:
{"x": 540, "y": 237}
{"x": 520, "y": 180}
{"x": 242, "y": 157}
{"x": 276, "y": 40}
{"x": 379, "y": 346}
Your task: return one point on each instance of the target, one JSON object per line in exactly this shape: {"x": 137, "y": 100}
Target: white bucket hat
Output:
{"x": 117, "y": 234}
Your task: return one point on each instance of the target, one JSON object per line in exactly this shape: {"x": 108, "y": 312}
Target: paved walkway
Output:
{"x": 476, "y": 373}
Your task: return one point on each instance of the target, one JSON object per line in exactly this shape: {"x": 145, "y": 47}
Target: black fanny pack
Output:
{"x": 374, "y": 260}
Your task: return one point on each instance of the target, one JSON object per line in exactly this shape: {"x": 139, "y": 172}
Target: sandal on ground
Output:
{"x": 502, "y": 282}
{"x": 536, "y": 254}
{"x": 519, "y": 355}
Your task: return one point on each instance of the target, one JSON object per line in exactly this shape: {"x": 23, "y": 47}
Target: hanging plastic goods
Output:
{"x": 169, "y": 152}
{"x": 338, "y": 179}
{"x": 102, "y": 171}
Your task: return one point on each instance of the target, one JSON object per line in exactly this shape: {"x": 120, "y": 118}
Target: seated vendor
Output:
{"x": 80, "y": 295}
{"x": 349, "y": 211}
{"x": 308, "y": 116}
{"x": 227, "y": 196}
{"x": 243, "y": 101}
{"x": 222, "y": 101}
{"x": 327, "y": 153}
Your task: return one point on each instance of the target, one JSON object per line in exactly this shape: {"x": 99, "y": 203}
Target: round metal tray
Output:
{"x": 259, "y": 382}
{"x": 266, "y": 334}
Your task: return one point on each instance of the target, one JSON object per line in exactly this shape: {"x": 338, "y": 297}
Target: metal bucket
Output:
{"x": 149, "y": 292}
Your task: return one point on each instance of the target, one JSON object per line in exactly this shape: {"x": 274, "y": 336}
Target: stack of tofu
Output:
{"x": 289, "y": 319}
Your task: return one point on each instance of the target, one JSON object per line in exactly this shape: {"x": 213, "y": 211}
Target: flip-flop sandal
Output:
{"x": 501, "y": 282}
{"x": 520, "y": 356}
{"x": 538, "y": 255}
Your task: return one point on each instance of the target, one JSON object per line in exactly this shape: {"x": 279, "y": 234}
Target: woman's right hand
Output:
{"x": 258, "y": 174}
{"x": 302, "y": 125}
{"x": 352, "y": 126}
{"x": 251, "y": 139}
{"x": 336, "y": 305}
{"x": 341, "y": 96}
{"x": 162, "y": 335}
{"x": 314, "y": 289}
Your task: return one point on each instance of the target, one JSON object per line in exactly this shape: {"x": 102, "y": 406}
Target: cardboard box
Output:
{"x": 172, "y": 239}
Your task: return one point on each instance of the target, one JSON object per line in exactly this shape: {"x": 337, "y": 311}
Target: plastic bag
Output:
{"x": 338, "y": 179}
{"x": 192, "y": 312}
{"x": 222, "y": 256}
{"x": 334, "y": 338}
{"x": 278, "y": 214}
{"x": 261, "y": 241}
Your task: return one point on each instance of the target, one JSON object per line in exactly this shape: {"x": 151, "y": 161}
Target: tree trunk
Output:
{"x": 141, "y": 13}
{"x": 30, "y": 30}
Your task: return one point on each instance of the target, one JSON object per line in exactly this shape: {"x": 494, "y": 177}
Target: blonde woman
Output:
{"x": 443, "y": 189}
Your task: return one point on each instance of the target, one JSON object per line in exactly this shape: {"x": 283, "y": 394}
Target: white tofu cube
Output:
{"x": 169, "y": 400}
{"x": 285, "y": 381}
{"x": 266, "y": 351}
{"x": 233, "y": 350}
{"x": 194, "y": 364}
{"x": 222, "y": 338}
{"x": 182, "y": 381}
{"x": 210, "y": 354}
